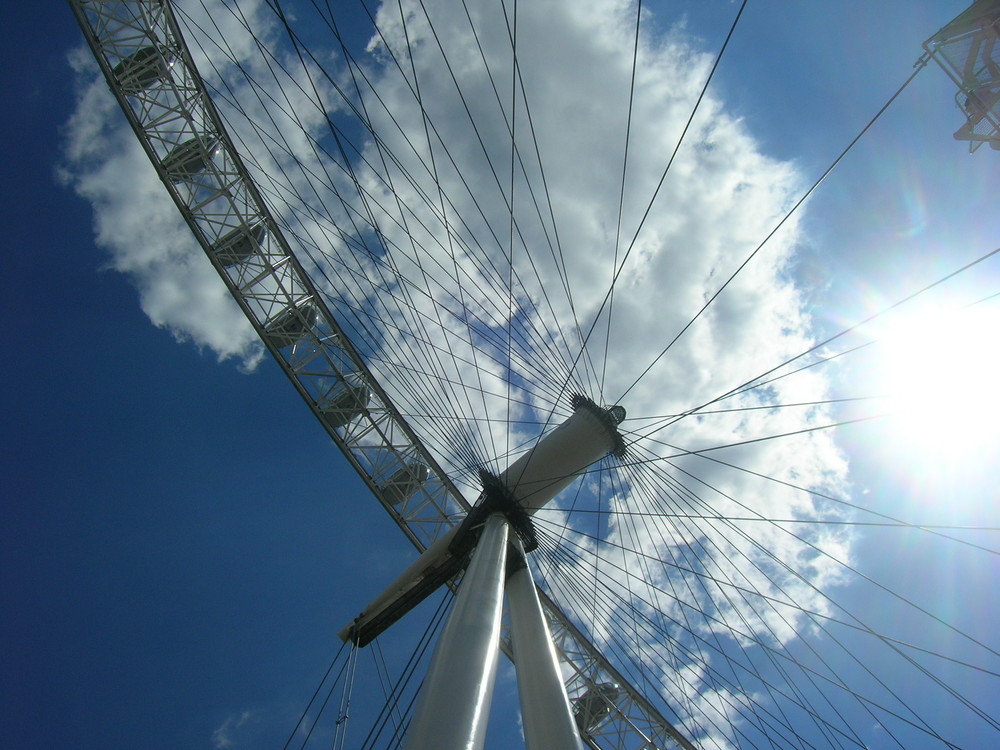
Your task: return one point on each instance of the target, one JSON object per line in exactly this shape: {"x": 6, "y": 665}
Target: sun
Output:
{"x": 939, "y": 372}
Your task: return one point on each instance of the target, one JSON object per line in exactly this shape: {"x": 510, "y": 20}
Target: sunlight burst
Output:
{"x": 939, "y": 371}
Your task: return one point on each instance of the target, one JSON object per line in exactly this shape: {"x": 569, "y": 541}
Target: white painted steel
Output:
{"x": 545, "y": 710}
{"x": 431, "y": 557}
{"x": 228, "y": 217}
{"x": 164, "y": 99}
{"x": 534, "y": 479}
{"x": 454, "y": 704}
{"x": 556, "y": 460}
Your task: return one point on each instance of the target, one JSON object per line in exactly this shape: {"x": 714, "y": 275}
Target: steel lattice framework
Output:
{"x": 968, "y": 50}
{"x": 141, "y": 52}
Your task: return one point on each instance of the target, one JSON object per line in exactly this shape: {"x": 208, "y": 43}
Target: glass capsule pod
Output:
{"x": 594, "y": 707}
{"x": 343, "y": 405}
{"x": 190, "y": 157}
{"x": 404, "y": 482}
{"x": 291, "y": 324}
{"x": 237, "y": 245}
{"x": 141, "y": 69}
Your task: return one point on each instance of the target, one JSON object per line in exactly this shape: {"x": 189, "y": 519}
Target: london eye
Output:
{"x": 459, "y": 227}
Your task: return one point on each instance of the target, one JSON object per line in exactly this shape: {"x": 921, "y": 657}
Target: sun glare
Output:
{"x": 939, "y": 372}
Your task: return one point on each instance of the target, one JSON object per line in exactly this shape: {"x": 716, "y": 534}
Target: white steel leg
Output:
{"x": 454, "y": 704}
{"x": 545, "y": 712}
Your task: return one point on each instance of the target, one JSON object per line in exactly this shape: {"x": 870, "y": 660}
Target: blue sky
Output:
{"x": 163, "y": 586}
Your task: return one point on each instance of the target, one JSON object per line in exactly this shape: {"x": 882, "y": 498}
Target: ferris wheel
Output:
{"x": 498, "y": 309}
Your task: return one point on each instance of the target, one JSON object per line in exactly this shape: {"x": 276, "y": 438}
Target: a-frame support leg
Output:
{"x": 545, "y": 712}
{"x": 454, "y": 704}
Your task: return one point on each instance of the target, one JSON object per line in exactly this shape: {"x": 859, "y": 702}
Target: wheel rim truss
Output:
{"x": 167, "y": 104}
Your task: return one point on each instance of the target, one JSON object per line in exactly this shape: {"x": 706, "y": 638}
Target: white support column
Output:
{"x": 454, "y": 705}
{"x": 545, "y": 711}
{"x": 560, "y": 457}
{"x": 530, "y": 482}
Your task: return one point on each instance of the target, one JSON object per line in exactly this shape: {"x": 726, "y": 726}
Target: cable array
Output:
{"x": 717, "y": 581}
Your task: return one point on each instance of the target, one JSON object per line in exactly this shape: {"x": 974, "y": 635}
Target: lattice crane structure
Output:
{"x": 968, "y": 49}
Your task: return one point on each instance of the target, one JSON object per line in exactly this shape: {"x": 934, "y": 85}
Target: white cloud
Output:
{"x": 721, "y": 197}
{"x": 143, "y": 233}
{"x": 222, "y": 736}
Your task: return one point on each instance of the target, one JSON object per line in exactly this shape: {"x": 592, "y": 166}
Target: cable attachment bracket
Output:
{"x": 496, "y": 497}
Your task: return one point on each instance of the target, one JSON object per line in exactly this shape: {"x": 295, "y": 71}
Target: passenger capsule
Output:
{"x": 594, "y": 707}
{"x": 189, "y": 158}
{"x": 404, "y": 482}
{"x": 140, "y": 70}
{"x": 239, "y": 244}
{"x": 346, "y": 404}
{"x": 291, "y": 324}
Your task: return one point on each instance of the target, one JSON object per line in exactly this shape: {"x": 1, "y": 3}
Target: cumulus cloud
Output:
{"x": 222, "y": 736}
{"x": 433, "y": 239}
{"x": 141, "y": 230}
